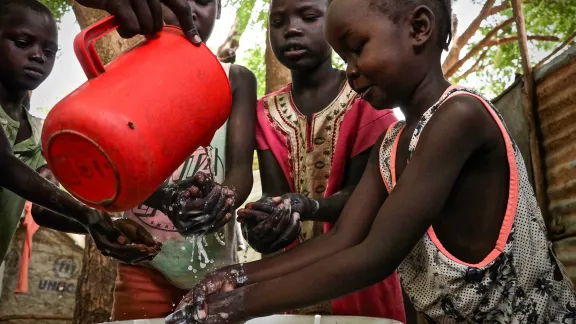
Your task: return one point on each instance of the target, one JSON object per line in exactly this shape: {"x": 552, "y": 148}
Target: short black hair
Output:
{"x": 7, "y": 7}
{"x": 442, "y": 9}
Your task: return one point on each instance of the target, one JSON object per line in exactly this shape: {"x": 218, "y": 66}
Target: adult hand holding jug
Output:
{"x": 116, "y": 138}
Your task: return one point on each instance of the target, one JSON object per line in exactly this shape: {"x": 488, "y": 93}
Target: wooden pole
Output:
{"x": 530, "y": 106}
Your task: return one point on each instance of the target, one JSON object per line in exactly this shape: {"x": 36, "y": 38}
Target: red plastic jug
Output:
{"x": 116, "y": 138}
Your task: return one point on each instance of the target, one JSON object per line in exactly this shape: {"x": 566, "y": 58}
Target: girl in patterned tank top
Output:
{"x": 445, "y": 198}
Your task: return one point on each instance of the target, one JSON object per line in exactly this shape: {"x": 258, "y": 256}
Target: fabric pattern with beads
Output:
{"x": 522, "y": 281}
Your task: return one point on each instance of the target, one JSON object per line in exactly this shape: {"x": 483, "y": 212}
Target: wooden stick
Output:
{"x": 35, "y": 317}
{"x": 530, "y": 105}
{"x": 569, "y": 40}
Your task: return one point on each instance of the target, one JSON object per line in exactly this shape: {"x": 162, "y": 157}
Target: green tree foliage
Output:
{"x": 58, "y": 7}
{"x": 488, "y": 53}
{"x": 254, "y": 61}
{"x": 252, "y": 14}
{"x": 492, "y": 55}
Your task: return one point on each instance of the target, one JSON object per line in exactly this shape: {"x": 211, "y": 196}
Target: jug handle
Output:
{"x": 84, "y": 46}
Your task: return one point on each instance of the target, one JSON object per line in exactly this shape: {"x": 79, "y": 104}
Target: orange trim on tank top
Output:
{"x": 512, "y": 191}
{"x": 393, "y": 155}
{"x": 390, "y": 128}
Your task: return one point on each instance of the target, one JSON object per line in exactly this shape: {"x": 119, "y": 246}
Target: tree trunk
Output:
{"x": 109, "y": 46}
{"x": 94, "y": 294}
{"x": 227, "y": 51}
{"x": 277, "y": 75}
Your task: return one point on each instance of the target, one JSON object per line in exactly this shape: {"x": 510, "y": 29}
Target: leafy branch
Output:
{"x": 488, "y": 47}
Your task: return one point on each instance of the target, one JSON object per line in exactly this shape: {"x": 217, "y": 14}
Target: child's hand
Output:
{"x": 199, "y": 206}
{"x": 137, "y": 234}
{"x": 301, "y": 204}
{"x": 124, "y": 240}
{"x": 193, "y": 307}
{"x": 145, "y": 17}
{"x": 270, "y": 224}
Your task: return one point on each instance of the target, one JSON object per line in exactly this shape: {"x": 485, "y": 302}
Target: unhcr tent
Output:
{"x": 53, "y": 270}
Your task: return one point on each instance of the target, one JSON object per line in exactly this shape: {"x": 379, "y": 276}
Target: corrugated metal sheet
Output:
{"x": 556, "y": 88}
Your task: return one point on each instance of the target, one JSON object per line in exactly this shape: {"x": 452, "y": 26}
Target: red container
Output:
{"x": 117, "y": 137}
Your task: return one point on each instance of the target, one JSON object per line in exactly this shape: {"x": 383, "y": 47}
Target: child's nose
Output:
{"x": 292, "y": 30}
{"x": 37, "y": 54}
{"x": 193, "y": 8}
{"x": 351, "y": 71}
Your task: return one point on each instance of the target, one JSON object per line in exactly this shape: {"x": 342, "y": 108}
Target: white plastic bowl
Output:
{"x": 290, "y": 319}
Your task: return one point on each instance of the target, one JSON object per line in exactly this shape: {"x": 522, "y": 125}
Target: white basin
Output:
{"x": 296, "y": 319}
{"x": 290, "y": 319}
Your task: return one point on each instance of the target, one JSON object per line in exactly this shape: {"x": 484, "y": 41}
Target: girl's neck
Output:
{"x": 11, "y": 101}
{"x": 428, "y": 91}
{"x": 316, "y": 79}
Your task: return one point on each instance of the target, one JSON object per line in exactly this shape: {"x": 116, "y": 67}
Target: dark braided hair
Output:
{"x": 7, "y": 7}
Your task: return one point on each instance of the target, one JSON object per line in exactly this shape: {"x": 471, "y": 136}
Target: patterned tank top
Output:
{"x": 520, "y": 281}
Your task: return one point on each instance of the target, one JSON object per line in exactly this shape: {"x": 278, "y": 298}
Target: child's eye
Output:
{"x": 21, "y": 43}
{"x": 310, "y": 18}
{"x": 358, "y": 49}
{"x": 49, "y": 53}
{"x": 204, "y": 2}
{"x": 277, "y": 22}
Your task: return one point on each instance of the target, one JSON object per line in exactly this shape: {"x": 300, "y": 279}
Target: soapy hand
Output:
{"x": 194, "y": 306}
{"x": 145, "y": 16}
{"x": 124, "y": 239}
{"x": 199, "y": 205}
{"x": 272, "y": 224}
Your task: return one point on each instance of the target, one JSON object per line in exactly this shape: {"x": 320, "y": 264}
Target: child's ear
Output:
{"x": 422, "y": 24}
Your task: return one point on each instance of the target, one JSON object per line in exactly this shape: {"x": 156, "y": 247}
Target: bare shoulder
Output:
{"x": 374, "y": 158}
{"x": 463, "y": 118}
{"x": 241, "y": 76}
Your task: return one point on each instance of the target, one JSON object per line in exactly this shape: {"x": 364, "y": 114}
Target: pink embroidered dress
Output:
{"x": 313, "y": 158}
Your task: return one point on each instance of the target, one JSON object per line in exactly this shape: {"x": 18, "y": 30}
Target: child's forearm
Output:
{"x": 19, "y": 178}
{"x": 330, "y": 208}
{"x": 241, "y": 181}
{"x": 49, "y": 219}
{"x": 337, "y": 275}
{"x": 299, "y": 257}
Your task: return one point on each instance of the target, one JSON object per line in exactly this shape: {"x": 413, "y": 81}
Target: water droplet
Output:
{"x": 183, "y": 248}
{"x": 190, "y": 268}
{"x": 194, "y": 270}
{"x": 59, "y": 297}
{"x": 202, "y": 265}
